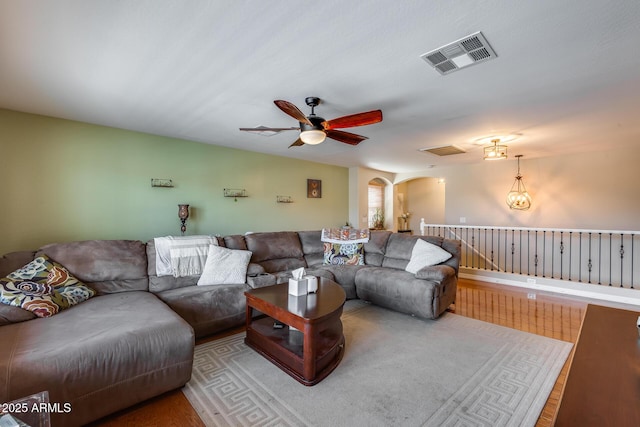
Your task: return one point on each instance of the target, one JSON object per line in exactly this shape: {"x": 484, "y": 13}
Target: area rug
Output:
{"x": 397, "y": 370}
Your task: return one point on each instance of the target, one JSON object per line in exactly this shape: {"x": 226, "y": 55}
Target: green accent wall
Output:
{"x": 66, "y": 180}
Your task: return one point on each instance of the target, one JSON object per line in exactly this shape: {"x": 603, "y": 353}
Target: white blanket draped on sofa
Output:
{"x": 181, "y": 256}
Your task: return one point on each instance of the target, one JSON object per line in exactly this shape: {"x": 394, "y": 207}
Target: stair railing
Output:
{"x": 602, "y": 257}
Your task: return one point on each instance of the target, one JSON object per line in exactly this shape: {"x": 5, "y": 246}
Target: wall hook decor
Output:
{"x": 235, "y": 193}
{"x": 284, "y": 199}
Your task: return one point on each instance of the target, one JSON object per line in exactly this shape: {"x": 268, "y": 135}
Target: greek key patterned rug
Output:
{"x": 397, "y": 370}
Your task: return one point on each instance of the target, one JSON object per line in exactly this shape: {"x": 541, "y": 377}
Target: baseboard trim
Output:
{"x": 564, "y": 287}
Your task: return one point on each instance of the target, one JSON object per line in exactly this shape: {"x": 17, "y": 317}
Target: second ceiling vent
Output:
{"x": 462, "y": 53}
{"x": 445, "y": 150}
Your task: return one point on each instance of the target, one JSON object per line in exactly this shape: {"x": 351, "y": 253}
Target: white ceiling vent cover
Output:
{"x": 462, "y": 53}
{"x": 446, "y": 150}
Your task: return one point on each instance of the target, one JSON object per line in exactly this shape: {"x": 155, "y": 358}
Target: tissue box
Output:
{"x": 312, "y": 284}
{"x": 297, "y": 287}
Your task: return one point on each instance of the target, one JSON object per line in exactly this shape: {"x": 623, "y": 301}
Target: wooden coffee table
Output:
{"x": 310, "y": 344}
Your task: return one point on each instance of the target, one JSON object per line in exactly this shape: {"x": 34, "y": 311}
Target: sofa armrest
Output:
{"x": 435, "y": 272}
{"x": 260, "y": 280}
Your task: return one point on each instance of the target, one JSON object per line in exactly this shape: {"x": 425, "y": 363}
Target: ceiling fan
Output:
{"x": 314, "y": 129}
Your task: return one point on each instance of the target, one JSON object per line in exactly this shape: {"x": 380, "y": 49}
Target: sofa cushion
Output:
{"x": 43, "y": 287}
{"x": 399, "y": 248}
{"x": 107, "y": 266}
{"x": 225, "y": 266}
{"x": 235, "y": 241}
{"x": 208, "y": 309}
{"x": 276, "y": 251}
{"x": 374, "y": 249}
{"x": 343, "y": 253}
{"x": 425, "y": 254}
{"x": 312, "y": 247}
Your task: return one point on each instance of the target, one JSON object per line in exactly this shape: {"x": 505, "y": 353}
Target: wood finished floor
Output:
{"x": 549, "y": 314}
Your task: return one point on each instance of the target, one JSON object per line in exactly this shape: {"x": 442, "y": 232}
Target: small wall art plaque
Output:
{"x": 314, "y": 188}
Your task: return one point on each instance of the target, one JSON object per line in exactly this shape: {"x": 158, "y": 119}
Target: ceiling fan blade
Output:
{"x": 298, "y": 143}
{"x": 360, "y": 119}
{"x": 266, "y": 129}
{"x": 346, "y": 137}
{"x": 292, "y": 110}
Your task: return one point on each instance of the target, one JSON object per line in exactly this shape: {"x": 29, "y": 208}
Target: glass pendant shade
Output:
{"x": 312, "y": 137}
{"x": 495, "y": 151}
{"x": 518, "y": 198}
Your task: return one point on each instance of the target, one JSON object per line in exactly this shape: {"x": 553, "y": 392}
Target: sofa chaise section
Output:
{"x": 117, "y": 349}
{"x": 100, "y": 356}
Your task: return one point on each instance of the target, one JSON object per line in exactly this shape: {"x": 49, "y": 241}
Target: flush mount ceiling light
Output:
{"x": 518, "y": 198}
{"x": 495, "y": 151}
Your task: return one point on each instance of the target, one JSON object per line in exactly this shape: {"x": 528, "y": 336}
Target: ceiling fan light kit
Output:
{"x": 313, "y": 136}
{"x": 315, "y": 129}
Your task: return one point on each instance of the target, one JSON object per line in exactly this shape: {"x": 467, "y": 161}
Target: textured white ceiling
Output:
{"x": 567, "y": 76}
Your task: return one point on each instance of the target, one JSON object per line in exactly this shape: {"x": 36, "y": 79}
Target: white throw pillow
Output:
{"x": 425, "y": 254}
{"x": 225, "y": 266}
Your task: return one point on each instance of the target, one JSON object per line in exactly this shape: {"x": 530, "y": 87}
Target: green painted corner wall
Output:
{"x": 67, "y": 180}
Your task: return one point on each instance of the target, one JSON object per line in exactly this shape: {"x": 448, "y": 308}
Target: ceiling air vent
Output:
{"x": 446, "y": 150}
{"x": 460, "y": 54}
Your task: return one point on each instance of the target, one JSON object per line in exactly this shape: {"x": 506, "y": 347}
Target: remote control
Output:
{"x": 278, "y": 325}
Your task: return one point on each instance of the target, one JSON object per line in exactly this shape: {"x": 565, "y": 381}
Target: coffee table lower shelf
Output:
{"x": 285, "y": 347}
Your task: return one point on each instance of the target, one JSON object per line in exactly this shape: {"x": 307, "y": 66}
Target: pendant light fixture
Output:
{"x": 518, "y": 198}
{"x": 495, "y": 151}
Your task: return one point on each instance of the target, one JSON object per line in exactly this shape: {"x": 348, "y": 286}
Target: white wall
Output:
{"x": 425, "y": 199}
{"x": 359, "y": 194}
{"x": 587, "y": 190}
{"x": 593, "y": 190}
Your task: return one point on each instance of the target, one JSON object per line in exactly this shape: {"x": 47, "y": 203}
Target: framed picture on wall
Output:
{"x": 314, "y": 188}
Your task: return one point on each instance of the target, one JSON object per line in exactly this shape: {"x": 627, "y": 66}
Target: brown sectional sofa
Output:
{"x": 135, "y": 340}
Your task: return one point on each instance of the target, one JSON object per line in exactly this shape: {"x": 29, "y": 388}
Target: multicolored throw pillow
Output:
{"x": 343, "y": 253}
{"x": 43, "y": 287}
